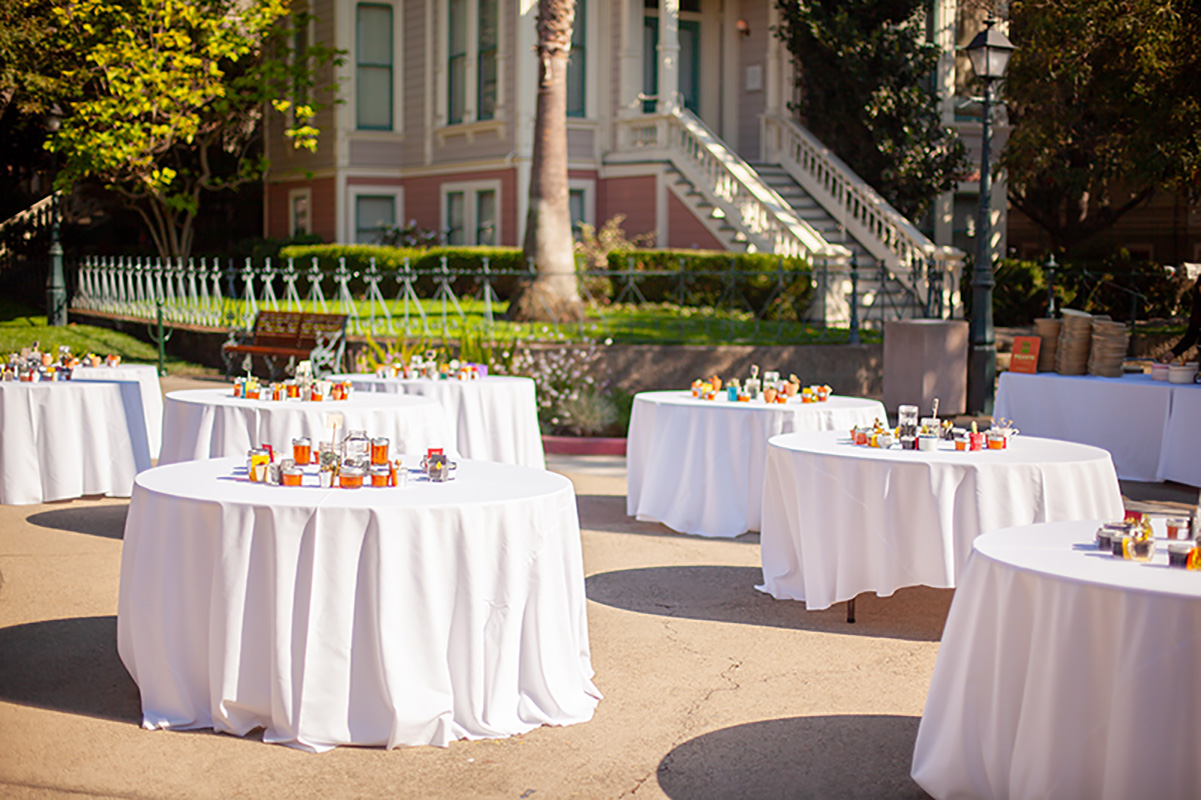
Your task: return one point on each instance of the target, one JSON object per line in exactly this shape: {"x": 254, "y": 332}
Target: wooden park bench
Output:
{"x": 289, "y": 335}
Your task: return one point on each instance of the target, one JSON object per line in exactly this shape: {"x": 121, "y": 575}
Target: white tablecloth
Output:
{"x": 1127, "y": 416}
{"x": 839, "y": 519}
{"x": 355, "y": 616}
{"x": 211, "y": 423}
{"x": 1180, "y": 457}
{"x": 67, "y": 439}
{"x": 492, "y": 419}
{"x": 1064, "y": 673}
{"x": 146, "y": 376}
{"x": 697, "y": 465}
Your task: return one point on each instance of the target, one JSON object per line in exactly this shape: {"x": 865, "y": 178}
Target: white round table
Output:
{"x": 372, "y": 616}
{"x": 1064, "y": 672}
{"x": 697, "y": 465}
{"x": 492, "y": 419}
{"x": 211, "y": 423}
{"x": 146, "y": 376}
{"x": 65, "y": 439}
{"x": 841, "y": 519}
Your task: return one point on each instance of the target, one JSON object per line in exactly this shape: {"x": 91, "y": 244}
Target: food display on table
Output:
{"x": 767, "y": 390}
{"x": 930, "y": 433}
{"x": 356, "y": 461}
{"x": 1133, "y": 539}
{"x": 430, "y": 368}
{"x": 32, "y": 365}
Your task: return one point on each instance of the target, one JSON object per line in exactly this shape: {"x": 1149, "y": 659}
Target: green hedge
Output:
{"x": 1098, "y": 287}
{"x": 707, "y": 273}
{"x": 468, "y": 260}
{"x": 706, "y": 279}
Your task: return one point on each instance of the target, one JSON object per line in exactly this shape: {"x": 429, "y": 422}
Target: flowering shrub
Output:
{"x": 571, "y": 398}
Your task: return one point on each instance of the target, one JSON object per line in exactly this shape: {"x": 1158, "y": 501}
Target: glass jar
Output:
{"x": 907, "y": 420}
{"x": 302, "y": 450}
{"x": 291, "y": 476}
{"x": 379, "y": 450}
{"x": 350, "y": 477}
{"x": 1178, "y": 553}
{"x": 356, "y": 447}
{"x": 380, "y": 475}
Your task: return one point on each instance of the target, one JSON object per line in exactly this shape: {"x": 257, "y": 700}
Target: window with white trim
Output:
{"x": 581, "y": 204}
{"x": 471, "y": 213}
{"x": 372, "y": 214}
{"x": 373, "y": 66}
{"x": 300, "y": 204}
{"x": 468, "y": 38}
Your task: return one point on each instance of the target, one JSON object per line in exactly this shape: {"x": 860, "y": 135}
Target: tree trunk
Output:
{"x": 552, "y": 296}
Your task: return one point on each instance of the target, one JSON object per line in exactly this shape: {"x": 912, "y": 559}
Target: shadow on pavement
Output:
{"x": 830, "y": 756}
{"x": 107, "y": 521}
{"x": 68, "y": 665}
{"x": 728, "y": 594}
{"x": 606, "y": 513}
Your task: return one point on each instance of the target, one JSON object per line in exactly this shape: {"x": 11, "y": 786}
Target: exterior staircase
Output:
{"x": 806, "y": 203}
{"x": 882, "y": 296}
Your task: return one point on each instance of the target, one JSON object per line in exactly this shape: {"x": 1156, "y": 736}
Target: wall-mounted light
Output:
{"x": 743, "y": 27}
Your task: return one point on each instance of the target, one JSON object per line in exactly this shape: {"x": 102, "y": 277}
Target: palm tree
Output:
{"x": 552, "y": 295}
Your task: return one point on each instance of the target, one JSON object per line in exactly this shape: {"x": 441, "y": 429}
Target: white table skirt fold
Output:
{"x": 697, "y": 465}
{"x": 839, "y": 520}
{"x": 1061, "y": 679}
{"x": 373, "y": 616}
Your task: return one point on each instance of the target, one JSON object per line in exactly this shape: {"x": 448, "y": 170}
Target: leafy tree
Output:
{"x": 553, "y": 294}
{"x": 864, "y": 70}
{"x": 34, "y": 72}
{"x": 1103, "y": 97}
{"x": 172, "y": 100}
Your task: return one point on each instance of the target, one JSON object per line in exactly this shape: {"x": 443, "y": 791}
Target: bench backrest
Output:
{"x": 295, "y": 329}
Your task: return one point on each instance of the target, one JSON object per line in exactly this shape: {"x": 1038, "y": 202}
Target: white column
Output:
{"x": 669, "y": 55}
{"x": 630, "y": 58}
{"x": 774, "y": 66}
{"x": 945, "y": 15}
{"x": 731, "y": 74}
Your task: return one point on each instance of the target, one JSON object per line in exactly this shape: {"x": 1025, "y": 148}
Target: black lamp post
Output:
{"x": 56, "y": 284}
{"x": 989, "y": 53}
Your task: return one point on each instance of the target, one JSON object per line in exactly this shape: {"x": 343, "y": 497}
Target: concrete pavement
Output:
{"x": 711, "y": 689}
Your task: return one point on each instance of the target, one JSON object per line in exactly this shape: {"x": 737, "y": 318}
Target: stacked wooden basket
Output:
{"x": 1081, "y": 343}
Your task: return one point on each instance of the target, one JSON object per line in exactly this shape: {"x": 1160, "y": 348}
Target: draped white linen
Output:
{"x": 211, "y": 423}
{"x": 146, "y": 376}
{"x": 64, "y": 439}
{"x": 1064, "y": 673}
{"x": 373, "y": 616}
{"x": 697, "y": 465}
{"x": 839, "y": 519}
{"x": 1180, "y": 456}
{"x": 1127, "y": 416}
{"x": 492, "y": 419}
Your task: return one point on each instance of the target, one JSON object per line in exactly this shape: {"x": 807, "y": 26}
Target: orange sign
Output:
{"x": 1025, "y": 354}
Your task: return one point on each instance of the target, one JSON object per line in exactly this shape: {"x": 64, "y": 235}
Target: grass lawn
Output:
{"x": 647, "y": 323}
{"x": 21, "y": 326}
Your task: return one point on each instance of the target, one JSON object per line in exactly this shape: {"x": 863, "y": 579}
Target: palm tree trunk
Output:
{"x": 552, "y": 295}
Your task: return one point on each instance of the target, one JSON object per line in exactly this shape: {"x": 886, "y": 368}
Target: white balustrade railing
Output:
{"x": 863, "y": 213}
{"x": 730, "y": 183}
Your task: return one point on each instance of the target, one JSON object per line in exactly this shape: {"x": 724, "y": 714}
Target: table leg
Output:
{"x": 851, "y": 610}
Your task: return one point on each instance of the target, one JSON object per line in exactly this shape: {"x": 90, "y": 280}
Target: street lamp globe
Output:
{"x": 989, "y": 52}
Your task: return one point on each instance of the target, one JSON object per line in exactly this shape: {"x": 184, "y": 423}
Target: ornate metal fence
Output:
{"x": 227, "y": 293}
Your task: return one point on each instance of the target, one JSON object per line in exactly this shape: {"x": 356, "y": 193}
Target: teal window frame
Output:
{"x": 577, "y": 63}
{"x": 456, "y": 62}
{"x": 486, "y": 79}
